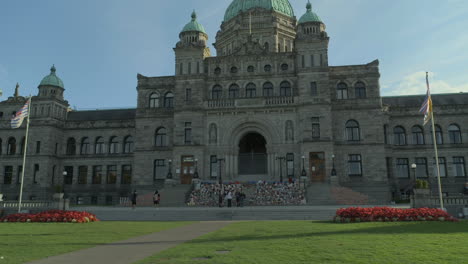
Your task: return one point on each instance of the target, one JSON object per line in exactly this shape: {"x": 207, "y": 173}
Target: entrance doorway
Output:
{"x": 187, "y": 169}
{"x": 252, "y": 154}
{"x": 317, "y": 170}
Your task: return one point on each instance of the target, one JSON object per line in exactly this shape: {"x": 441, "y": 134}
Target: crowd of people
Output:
{"x": 259, "y": 193}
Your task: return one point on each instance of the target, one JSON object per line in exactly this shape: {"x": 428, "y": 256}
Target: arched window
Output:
{"x": 1, "y": 145}
{"x": 161, "y": 137}
{"x": 234, "y": 91}
{"x": 352, "y": 131}
{"x": 216, "y": 92}
{"x": 267, "y": 68}
{"x": 438, "y": 134}
{"x": 217, "y": 71}
{"x": 360, "y": 90}
{"x": 234, "y": 69}
{"x": 154, "y": 100}
{"x": 128, "y": 144}
{"x": 399, "y": 138}
{"x": 250, "y": 68}
{"x": 250, "y": 90}
{"x": 99, "y": 146}
{"x": 169, "y": 100}
{"x": 455, "y": 134}
{"x": 71, "y": 146}
{"x": 84, "y": 149}
{"x": 285, "y": 89}
{"x": 267, "y": 46}
{"x": 342, "y": 91}
{"x": 113, "y": 145}
{"x": 284, "y": 67}
{"x": 213, "y": 134}
{"x": 268, "y": 89}
{"x": 418, "y": 135}
{"x": 11, "y": 147}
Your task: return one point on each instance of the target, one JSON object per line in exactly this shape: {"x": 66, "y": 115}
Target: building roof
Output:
{"x": 95, "y": 115}
{"x": 52, "y": 79}
{"x": 194, "y": 25}
{"x": 309, "y": 16}
{"x": 417, "y": 100}
{"x": 238, "y": 6}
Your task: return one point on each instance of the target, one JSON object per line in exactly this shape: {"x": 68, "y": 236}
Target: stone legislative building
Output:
{"x": 265, "y": 107}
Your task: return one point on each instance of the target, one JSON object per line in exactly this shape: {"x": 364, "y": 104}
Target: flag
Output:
{"x": 426, "y": 107}
{"x": 17, "y": 120}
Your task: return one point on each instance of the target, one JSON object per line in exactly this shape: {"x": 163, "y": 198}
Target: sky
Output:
{"x": 99, "y": 46}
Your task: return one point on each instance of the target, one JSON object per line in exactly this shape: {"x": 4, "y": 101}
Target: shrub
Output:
{"x": 54, "y": 216}
{"x": 387, "y": 214}
{"x": 422, "y": 184}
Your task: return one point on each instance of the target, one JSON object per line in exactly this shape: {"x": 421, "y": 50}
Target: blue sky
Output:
{"x": 99, "y": 46}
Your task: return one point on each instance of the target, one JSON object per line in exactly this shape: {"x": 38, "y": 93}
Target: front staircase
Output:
{"x": 325, "y": 194}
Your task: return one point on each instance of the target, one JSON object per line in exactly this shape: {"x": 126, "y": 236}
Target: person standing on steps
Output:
{"x": 156, "y": 198}
{"x": 134, "y": 199}
{"x": 229, "y": 198}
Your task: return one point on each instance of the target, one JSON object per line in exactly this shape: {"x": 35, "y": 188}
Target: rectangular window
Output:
{"x": 36, "y": 171}
{"x": 402, "y": 168}
{"x": 94, "y": 200}
{"x": 313, "y": 89}
{"x": 385, "y": 127}
{"x": 355, "y": 165}
{"x": 189, "y": 68}
{"x": 315, "y": 128}
{"x": 8, "y": 175}
{"x": 421, "y": 167}
{"x": 188, "y": 133}
{"x": 97, "y": 174}
{"x": 321, "y": 59}
{"x": 126, "y": 174}
{"x": 459, "y": 166}
{"x": 68, "y": 175}
{"x": 109, "y": 200}
{"x": 38, "y": 147}
{"x": 312, "y": 61}
{"x": 82, "y": 174}
{"x": 303, "y": 62}
{"x": 290, "y": 165}
{"x": 214, "y": 166}
{"x": 18, "y": 176}
{"x": 160, "y": 169}
{"x": 198, "y": 67}
{"x": 181, "y": 68}
{"x": 442, "y": 167}
{"x": 111, "y": 174}
{"x": 188, "y": 94}
{"x": 56, "y": 148}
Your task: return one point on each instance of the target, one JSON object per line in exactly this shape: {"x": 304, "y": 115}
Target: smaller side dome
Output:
{"x": 52, "y": 79}
{"x": 309, "y": 16}
{"x": 194, "y": 25}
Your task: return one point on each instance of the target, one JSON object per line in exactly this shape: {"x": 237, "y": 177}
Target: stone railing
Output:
{"x": 250, "y": 102}
{"x": 221, "y": 103}
{"x": 279, "y": 100}
{"x": 11, "y": 206}
{"x": 462, "y": 200}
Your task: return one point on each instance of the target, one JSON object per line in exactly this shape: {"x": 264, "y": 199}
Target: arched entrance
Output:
{"x": 252, "y": 154}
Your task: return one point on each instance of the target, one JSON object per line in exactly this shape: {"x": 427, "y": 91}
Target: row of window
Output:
{"x": 167, "y": 100}
{"x": 342, "y": 90}
{"x": 250, "y": 69}
{"x": 12, "y": 148}
{"x": 98, "y": 175}
{"x": 400, "y": 139}
{"x": 99, "y": 146}
{"x": 421, "y": 170}
{"x": 8, "y": 174}
{"x": 250, "y": 90}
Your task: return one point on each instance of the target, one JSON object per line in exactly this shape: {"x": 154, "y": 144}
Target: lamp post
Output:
{"x": 303, "y": 173}
{"x": 169, "y": 173}
{"x": 413, "y": 168}
{"x": 195, "y": 175}
{"x": 220, "y": 181}
{"x": 63, "y": 188}
{"x": 333, "y": 172}
{"x": 281, "y": 167}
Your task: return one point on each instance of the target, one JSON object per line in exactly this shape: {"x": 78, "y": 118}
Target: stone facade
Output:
{"x": 269, "y": 105}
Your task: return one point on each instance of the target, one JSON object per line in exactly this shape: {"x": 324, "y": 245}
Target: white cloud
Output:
{"x": 415, "y": 83}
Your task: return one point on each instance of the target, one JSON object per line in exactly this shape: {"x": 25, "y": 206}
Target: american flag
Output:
{"x": 17, "y": 120}
{"x": 426, "y": 107}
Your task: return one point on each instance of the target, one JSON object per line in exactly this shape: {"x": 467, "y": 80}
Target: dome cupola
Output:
{"x": 194, "y": 26}
{"x": 240, "y": 6}
{"x": 309, "y": 16}
{"x": 52, "y": 79}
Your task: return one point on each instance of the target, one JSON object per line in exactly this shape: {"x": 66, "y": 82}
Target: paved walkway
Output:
{"x": 135, "y": 249}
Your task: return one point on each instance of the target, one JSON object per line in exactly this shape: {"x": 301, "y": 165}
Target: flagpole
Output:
{"x": 436, "y": 152}
{"x": 24, "y": 156}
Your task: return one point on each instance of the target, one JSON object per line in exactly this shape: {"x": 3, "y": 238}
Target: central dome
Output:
{"x": 238, "y": 6}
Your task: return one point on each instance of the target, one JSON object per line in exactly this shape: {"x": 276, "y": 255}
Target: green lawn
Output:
{"x": 29, "y": 241}
{"x": 320, "y": 242}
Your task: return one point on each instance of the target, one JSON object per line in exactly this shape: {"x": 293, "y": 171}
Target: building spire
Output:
{"x": 194, "y": 15}
{"x": 309, "y": 6}
{"x": 52, "y": 69}
{"x": 17, "y": 90}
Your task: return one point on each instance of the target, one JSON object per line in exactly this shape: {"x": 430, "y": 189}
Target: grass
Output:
{"x": 20, "y": 242}
{"x": 325, "y": 242}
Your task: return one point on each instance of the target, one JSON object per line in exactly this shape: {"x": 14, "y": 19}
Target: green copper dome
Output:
{"x": 309, "y": 16}
{"x": 194, "y": 25}
{"x": 52, "y": 79}
{"x": 238, "y": 6}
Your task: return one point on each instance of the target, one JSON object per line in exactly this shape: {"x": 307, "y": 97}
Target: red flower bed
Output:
{"x": 55, "y": 216}
{"x": 387, "y": 214}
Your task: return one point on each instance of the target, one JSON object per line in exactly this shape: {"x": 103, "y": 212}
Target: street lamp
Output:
{"x": 333, "y": 172}
{"x": 220, "y": 181}
{"x": 303, "y": 173}
{"x": 195, "y": 175}
{"x": 281, "y": 167}
{"x": 413, "y": 168}
{"x": 169, "y": 173}
{"x": 63, "y": 188}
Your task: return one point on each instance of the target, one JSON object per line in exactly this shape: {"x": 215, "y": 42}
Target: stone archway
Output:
{"x": 253, "y": 158}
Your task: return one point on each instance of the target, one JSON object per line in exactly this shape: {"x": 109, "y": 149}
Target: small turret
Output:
{"x": 51, "y": 85}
